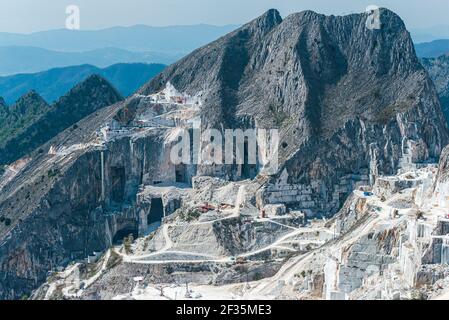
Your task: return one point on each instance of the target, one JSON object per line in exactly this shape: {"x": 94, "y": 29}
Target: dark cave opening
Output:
{"x": 156, "y": 212}
{"x": 180, "y": 173}
{"x": 123, "y": 233}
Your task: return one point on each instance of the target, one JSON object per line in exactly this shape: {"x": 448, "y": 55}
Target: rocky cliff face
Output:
{"x": 441, "y": 186}
{"x": 385, "y": 244}
{"x": 438, "y": 69}
{"x": 346, "y": 99}
{"x": 66, "y": 206}
{"x": 30, "y": 122}
{"x": 350, "y": 103}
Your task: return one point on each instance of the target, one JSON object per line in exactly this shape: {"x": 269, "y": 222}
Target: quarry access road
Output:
{"x": 140, "y": 259}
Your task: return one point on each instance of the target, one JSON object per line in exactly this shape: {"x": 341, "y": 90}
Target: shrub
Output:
{"x": 114, "y": 260}
{"x": 258, "y": 276}
{"x": 191, "y": 214}
{"x": 127, "y": 242}
{"x": 53, "y": 173}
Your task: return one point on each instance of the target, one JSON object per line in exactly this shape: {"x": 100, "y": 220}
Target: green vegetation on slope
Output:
{"x": 31, "y": 122}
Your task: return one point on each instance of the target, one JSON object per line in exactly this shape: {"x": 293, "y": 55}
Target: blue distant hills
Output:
{"x": 52, "y": 62}
{"x": 14, "y": 60}
{"x": 170, "y": 39}
{"x": 54, "y": 83}
{"x": 429, "y": 34}
{"x": 28, "y": 53}
{"x": 432, "y": 49}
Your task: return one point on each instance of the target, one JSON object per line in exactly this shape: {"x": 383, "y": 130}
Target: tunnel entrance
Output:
{"x": 180, "y": 173}
{"x": 123, "y": 233}
{"x": 156, "y": 211}
{"x": 118, "y": 179}
{"x": 249, "y": 171}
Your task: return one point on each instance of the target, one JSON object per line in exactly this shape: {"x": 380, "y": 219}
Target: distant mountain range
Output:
{"x": 14, "y": 60}
{"x": 26, "y": 53}
{"x": 429, "y": 34}
{"x": 170, "y": 39}
{"x": 54, "y": 83}
{"x": 432, "y": 49}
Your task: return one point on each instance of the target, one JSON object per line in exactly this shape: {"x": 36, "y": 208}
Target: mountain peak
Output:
{"x": 316, "y": 58}
{"x": 267, "y": 21}
{"x": 390, "y": 21}
{"x": 31, "y": 95}
{"x": 85, "y": 98}
{"x": 94, "y": 87}
{"x": 305, "y": 14}
{"x": 388, "y": 18}
{"x": 271, "y": 17}
{"x": 95, "y": 80}
{"x": 29, "y": 102}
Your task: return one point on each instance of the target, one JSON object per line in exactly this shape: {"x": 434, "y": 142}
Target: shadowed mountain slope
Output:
{"x": 31, "y": 122}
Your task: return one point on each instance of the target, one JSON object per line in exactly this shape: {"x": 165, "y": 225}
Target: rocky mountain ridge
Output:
{"x": 351, "y": 104}
{"x": 324, "y": 80}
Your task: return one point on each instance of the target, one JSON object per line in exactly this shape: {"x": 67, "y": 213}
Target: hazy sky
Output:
{"x": 37, "y": 15}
